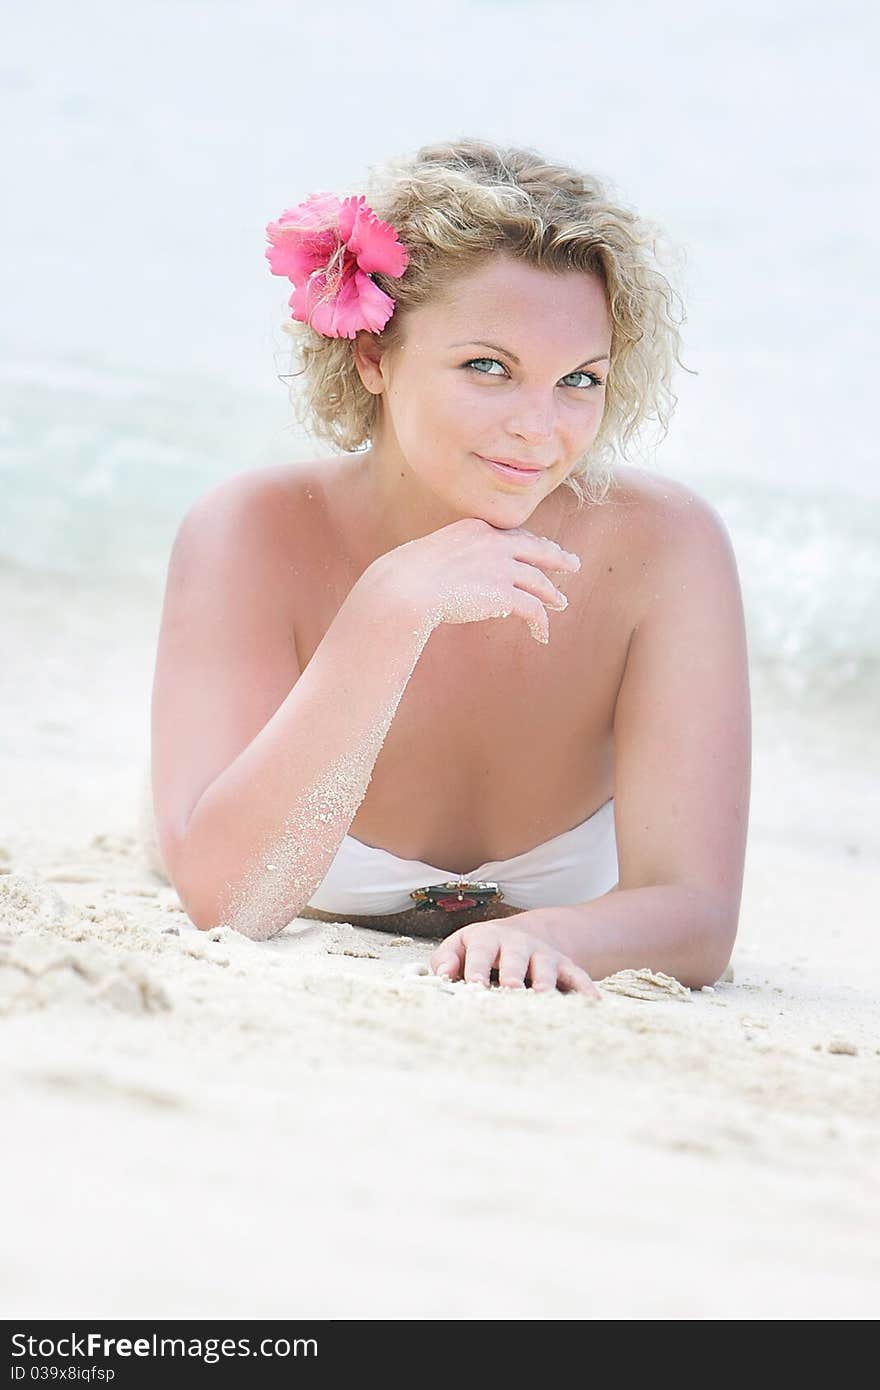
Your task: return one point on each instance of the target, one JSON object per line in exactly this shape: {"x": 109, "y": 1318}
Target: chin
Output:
{"x": 505, "y": 518}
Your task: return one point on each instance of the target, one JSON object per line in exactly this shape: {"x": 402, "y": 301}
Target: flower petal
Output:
{"x": 359, "y": 303}
{"x": 299, "y": 303}
{"x": 305, "y": 237}
{"x": 373, "y": 242}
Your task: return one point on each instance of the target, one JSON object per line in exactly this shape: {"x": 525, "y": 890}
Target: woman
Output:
{"x": 342, "y": 725}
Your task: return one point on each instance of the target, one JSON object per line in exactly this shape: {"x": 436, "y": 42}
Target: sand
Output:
{"x": 199, "y": 1125}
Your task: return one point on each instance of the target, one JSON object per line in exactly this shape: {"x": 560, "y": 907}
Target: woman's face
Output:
{"x": 535, "y": 396}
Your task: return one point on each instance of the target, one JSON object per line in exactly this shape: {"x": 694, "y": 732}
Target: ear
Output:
{"x": 368, "y": 359}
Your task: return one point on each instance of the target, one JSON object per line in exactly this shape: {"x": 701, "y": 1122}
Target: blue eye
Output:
{"x": 591, "y": 376}
{"x": 483, "y": 359}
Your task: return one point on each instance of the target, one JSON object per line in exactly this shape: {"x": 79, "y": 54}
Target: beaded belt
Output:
{"x": 457, "y": 895}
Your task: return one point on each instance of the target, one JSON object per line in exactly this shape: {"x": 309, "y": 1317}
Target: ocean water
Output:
{"x": 140, "y": 345}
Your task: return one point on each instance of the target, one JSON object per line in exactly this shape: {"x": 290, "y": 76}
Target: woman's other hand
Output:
{"x": 520, "y": 957}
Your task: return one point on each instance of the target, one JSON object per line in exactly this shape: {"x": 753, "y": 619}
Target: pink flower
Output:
{"x": 328, "y": 249}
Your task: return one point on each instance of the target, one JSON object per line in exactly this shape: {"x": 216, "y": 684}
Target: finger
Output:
{"x": 535, "y": 615}
{"x": 447, "y": 959}
{"x": 572, "y": 979}
{"x": 542, "y": 969}
{"x": 512, "y": 966}
{"x": 550, "y": 550}
{"x": 479, "y": 959}
{"x": 534, "y": 581}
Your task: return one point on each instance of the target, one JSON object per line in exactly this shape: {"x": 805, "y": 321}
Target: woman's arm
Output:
{"x": 682, "y": 752}
{"x": 668, "y": 928}
{"x": 262, "y": 837}
{"x": 248, "y": 845}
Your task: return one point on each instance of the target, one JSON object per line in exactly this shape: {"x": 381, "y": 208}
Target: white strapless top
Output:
{"x": 573, "y": 867}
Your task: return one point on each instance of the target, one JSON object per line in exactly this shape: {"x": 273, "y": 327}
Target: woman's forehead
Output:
{"x": 512, "y": 306}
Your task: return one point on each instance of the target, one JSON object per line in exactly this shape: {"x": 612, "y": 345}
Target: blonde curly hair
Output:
{"x": 453, "y": 206}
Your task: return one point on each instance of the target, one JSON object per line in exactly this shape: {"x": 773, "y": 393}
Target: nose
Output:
{"x": 533, "y": 417}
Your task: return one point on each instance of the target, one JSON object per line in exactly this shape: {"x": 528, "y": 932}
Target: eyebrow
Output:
{"x": 479, "y": 342}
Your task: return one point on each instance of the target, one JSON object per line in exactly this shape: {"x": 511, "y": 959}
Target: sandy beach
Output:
{"x": 204, "y": 1126}
{"x": 201, "y": 1126}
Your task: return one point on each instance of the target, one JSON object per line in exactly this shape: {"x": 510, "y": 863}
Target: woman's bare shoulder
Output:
{"x": 657, "y": 509}
{"x": 272, "y": 498}
{"x": 676, "y": 531}
{"x": 272, "y": 481}
{"x": 653, "y": 494}
{"x": 647, "y": 519}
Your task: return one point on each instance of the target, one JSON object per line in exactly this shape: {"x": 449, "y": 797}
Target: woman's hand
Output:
{"x": 519, "y": 956}
{"x": 470, "y": 570}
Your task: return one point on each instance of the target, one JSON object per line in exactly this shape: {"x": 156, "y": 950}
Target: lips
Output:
{"x": 520, "y": 477}
{"x": 515, "y": 463}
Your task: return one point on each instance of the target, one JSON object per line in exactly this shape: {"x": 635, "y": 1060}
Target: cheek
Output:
{"x": 583, "y": 424}
{"x": 474, "y": 416}
{"x": 454, "y": 409}
{"x": 443, "y": 428}
{"x": 432, "y": 410}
